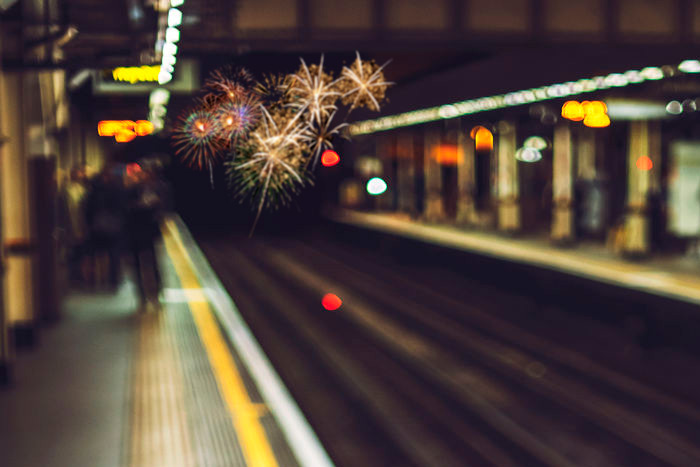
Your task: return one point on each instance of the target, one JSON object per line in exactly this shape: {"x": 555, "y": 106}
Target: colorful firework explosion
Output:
{"x": 235, "y": 118}
{"x": 274, "y": 128}
{"x": 229, "y": 82}
{"x": 196, "y": 138}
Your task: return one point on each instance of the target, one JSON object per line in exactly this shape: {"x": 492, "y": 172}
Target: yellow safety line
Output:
{"x": 244, "y": 413}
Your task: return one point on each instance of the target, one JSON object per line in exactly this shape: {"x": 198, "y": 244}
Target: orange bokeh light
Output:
{"x": 483, "y": 139}
{"x": 446, "y": 154}
{"x": 472, "y": 133}
{"x": 594, "y": 107}
{"x": 644, "y": 163}
{"x": 593, "y": 113}
{"x": 124, "y": 130}
{"x": 331, "y": 302}
{"x": 143, "y": 127}
{"x": 329, "y": 158}
{"x": 124, "y": 136}
{"x": 572, "y": 110}
{"x": 596, "y": 120}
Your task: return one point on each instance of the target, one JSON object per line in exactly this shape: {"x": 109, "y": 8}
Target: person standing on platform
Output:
{"x": 146, "y": 207}
{"x": 105, "y": 214}
{"x": 73, "y": 212}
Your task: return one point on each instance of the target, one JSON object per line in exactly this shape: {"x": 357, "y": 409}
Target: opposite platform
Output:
{"x": 663, "y": 278}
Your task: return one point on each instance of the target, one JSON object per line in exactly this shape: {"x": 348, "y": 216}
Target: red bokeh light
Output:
{"x": 644, "y": 163}
{"x": 331, "y": 302}
{"x": 329, "y": 158}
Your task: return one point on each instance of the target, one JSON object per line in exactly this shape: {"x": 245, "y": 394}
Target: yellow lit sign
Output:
{"x": 124, "y": 130}
{"x": 136, "y": 74}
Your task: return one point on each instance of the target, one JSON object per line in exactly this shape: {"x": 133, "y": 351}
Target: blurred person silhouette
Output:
{"x": 72, "y": 206}
{"x": 147, "y": 204}
{"x": 580, "y": 206}
{"x": 546, "y": 202}
{"x": 656, "y": 204}
{"x": 105, "y": 215}
{"x": 591, "y": 205}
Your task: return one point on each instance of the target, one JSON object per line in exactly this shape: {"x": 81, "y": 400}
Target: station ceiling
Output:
{"x": 421, "y": 36}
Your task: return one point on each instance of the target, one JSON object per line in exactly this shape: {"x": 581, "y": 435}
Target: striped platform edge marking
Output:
{"x": 244, "y": 413}
{"x": 301, "y": 438}
{"x": 177, "y": 414}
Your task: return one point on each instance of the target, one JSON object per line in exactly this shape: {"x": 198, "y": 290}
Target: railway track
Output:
{"x": 409, "y": 373}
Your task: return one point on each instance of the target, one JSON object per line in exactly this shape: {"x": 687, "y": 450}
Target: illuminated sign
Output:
{"x": 124, "y": 130}
{"x": 136, "y": 74}
{"x": 185, "y": 79}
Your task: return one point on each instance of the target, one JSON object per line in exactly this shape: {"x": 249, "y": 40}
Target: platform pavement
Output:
{"x": 67, "y": 403}
{"x": 112, "y": 386}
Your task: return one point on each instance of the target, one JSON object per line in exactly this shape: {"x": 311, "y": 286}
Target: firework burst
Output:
{"x": 235, "y": 118}
{"x": 270, "y": 167}
{"x": 273, "y": 90}
{"x": 314, "y": 92}
{"x": 195, "y": 138}
{"x": 363, "y": 84}
{"x": 273, "y": 129}
{"x": 229, "y": 83}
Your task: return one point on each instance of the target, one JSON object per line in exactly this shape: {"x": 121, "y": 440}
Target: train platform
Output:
{"x": 672, "y": 277}
{"x": 183, "y": 383}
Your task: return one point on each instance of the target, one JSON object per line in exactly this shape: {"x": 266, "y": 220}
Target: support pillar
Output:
{"x": 4, "y": 334}
{"x": 434, "y": 210}
{"x": 466, "y": 180}
{"x": 5, "y": 355}
{"x": 586, "y": 162}
{"x": 14, "y": 194}
{"x": 508, "y": 186}
{"x": 383, "y": 202}
{"x": 406, "y": 174}
{"x": 562, "y": 185}
{"x": 644, "y": 140}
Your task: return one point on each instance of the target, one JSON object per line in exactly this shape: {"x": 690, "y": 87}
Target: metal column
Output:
{"x": 644, "y": 140}
{"x": 434, "y": 209}
{"x": 406, "y": 174}
{"x": 466, "y": 180}
{"x": 508, "y": 186}
{"x": 562, "y": 185}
